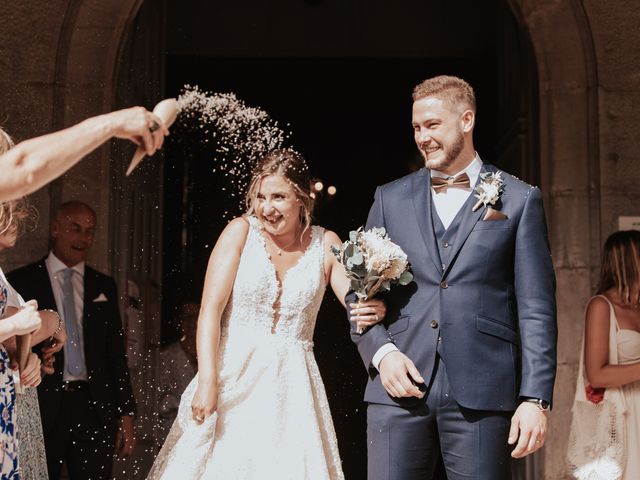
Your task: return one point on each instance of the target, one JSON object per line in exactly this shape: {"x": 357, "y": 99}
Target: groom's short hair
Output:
{"x": 452, "y": 90}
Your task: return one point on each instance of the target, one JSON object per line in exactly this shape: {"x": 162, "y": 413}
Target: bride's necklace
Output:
{"x": 280, "y": 249}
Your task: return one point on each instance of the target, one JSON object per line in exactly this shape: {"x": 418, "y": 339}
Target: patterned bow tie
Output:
{"x": 440, "y": 184}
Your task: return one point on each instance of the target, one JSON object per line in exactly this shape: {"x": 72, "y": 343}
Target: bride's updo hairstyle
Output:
{"x": 293, "y": 167}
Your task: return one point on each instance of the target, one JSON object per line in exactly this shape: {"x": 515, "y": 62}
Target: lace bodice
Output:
{"x": 258, "y": 299}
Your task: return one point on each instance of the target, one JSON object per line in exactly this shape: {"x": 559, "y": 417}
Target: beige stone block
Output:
{"x": 574, "y": 288}
{"x": 556, "y": 35}
{"x": 81, "y": 102}
{"x": 615, "y": 204}
{"x": 105, "y": 13}
{"x": 566, "y": 128}
{"x": 619, "y": 120}
{"x": 568, "y": 218}
{"x": 555, "y": 449}
{"x": 26, "y": 109}
{"x": 29, "y": 39}
{"x": 90, "y": 57}
{"x": 616, "y": 38}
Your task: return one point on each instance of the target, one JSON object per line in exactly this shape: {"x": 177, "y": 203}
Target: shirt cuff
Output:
{"x": 382, "y": 351}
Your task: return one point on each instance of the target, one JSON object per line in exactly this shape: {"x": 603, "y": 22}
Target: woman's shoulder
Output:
{"x": 598, "y": 306}
{"x": 235, "y": 232}
{"x": 329, "y": 237}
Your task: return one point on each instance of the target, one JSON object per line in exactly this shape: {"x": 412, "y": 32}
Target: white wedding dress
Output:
{"x": 273, "y": 419}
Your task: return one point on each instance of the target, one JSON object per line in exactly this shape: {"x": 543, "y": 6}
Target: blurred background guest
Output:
{"x": 618, "y": 300}
{"x": 87, "y": 404}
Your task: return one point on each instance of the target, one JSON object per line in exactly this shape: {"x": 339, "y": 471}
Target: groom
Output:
{"x": 465, "y": 363}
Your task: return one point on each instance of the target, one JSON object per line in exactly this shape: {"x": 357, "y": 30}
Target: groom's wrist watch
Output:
{"x": 541, "y": 404}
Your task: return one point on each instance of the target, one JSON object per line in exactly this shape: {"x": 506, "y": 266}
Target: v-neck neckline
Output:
{"x": 280, "y": 279}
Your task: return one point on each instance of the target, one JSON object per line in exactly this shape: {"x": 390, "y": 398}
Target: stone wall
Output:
{"x": 587, "y": 55}
{"x": 58, "y": 65}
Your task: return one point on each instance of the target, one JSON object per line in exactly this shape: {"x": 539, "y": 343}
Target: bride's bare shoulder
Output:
{"x": 235, "y": 233}
{"x": 331, "y": 238}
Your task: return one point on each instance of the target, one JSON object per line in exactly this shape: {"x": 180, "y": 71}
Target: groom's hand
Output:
{"x": 399, "y": 375}
{"x": 529, "y": 428}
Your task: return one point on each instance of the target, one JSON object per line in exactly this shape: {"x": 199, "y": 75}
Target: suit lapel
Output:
{"x": 468, "y": 220}
{"x": 46, "y": 299}
{"x": 422, "y": 204}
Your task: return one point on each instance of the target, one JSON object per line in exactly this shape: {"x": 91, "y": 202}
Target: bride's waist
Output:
{"x": 246, "y": 335}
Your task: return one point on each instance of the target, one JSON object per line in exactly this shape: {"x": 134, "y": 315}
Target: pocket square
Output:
{"x": 493, "y": 214}
{"x": 101, "y": 298}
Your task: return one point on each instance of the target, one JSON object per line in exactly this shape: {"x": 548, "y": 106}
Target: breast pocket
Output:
{"x": 492, "y": 225}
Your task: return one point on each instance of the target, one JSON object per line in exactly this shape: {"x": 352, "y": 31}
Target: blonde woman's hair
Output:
{"x": 452, "y": 90}
{"x": 13, "y": 212}
{"x": 621, "y": 265}
{"x": 17, "y": 214}
{"x": 293, "y": 167}
{"x": 6, "y": 143}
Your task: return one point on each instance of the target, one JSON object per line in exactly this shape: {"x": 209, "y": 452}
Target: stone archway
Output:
{"x": 90, "y": 46}
{"x": 59, "y": 64}
{"x": 68, "y": 71}
{"x": 569, "y": 166}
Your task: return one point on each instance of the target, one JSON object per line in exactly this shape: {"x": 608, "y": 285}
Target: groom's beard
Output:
{"x": 451, "y": 154}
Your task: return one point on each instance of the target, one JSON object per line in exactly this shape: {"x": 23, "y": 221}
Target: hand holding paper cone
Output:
{"x": 167, "y": 111}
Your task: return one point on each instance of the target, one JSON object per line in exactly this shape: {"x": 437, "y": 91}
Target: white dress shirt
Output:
{"x": 55, "y": 267}
{"x": 447, "y": 204}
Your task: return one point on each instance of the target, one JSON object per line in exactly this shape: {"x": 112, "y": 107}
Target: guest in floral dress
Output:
{"x": 26, "y": 321}
{"x": 27, "y": 427}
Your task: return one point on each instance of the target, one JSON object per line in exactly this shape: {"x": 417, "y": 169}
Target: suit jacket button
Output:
{"x": 445, "y": 244}
{"x": 444, "y": 285}
{"x": 434, "y": 324}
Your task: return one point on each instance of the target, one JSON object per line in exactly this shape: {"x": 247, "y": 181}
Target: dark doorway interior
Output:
{"x": 350, "y": 117}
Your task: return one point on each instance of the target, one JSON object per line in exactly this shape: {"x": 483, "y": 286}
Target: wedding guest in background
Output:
{"x": 33, "y": 163}
{"x": 618, "y": 300}
{"x": 31, "y": 449}
{"x": 87, "y": 404}
{"x": 177, "y": 366}
{"x": 14, "y": 321}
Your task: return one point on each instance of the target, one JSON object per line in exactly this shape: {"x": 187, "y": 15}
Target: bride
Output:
{"x": 257, "y": 408}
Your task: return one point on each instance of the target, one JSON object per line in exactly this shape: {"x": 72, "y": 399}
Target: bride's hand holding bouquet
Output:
{"x": 373, "y": 263}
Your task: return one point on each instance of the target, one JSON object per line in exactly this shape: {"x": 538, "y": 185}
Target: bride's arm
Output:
{"x": 368, "y": 312}
{"x": 221, "y": 273}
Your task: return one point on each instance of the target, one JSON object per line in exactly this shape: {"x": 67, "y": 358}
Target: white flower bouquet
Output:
{"x": 372, "y": 262}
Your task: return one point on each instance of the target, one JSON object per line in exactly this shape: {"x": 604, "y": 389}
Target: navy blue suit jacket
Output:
{"x": 493, "y": 304}
{"x": 109, "y": 382}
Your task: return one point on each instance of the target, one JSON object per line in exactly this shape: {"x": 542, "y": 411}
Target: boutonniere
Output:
{"x": 489, "y": 190}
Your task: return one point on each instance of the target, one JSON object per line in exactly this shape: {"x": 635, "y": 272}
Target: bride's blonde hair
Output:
{"x": 293, "y": 167}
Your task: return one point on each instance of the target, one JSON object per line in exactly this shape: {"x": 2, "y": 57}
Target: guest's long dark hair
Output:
{"x": 621, "y": 265}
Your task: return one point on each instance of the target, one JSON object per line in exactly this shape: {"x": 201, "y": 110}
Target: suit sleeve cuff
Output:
{"x": 382, "y": 351}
